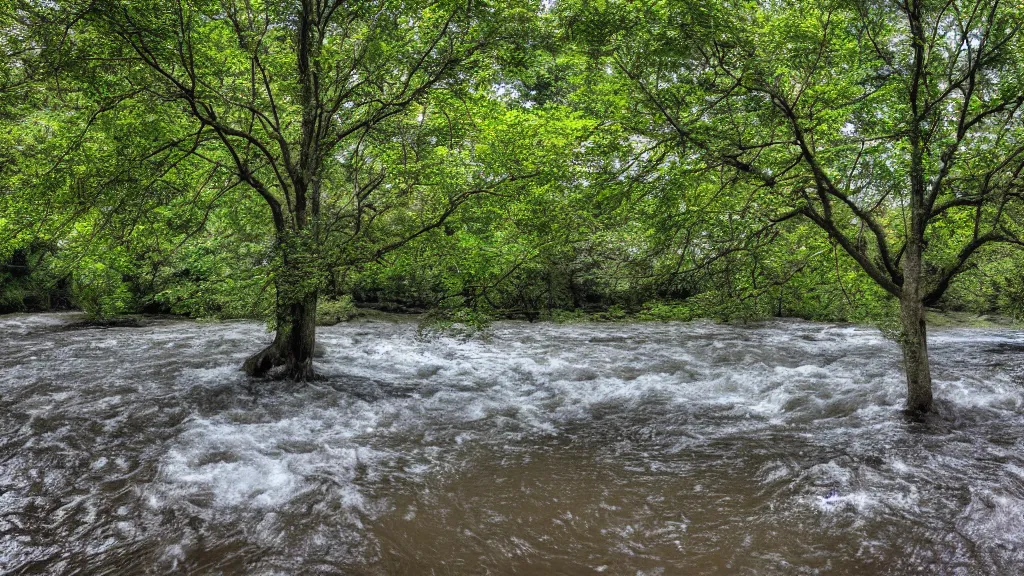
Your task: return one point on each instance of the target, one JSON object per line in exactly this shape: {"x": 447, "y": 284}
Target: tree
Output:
{"x": 290, "y": 97}
{"x": 894, "y": 127}
{"x": 18, "y": 68}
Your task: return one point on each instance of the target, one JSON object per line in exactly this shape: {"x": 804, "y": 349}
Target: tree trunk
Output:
{"x": 914, "y": 336}
{"x": 302, "y": 339}
{"x": 293, "y": 344}
{"x": 914, "y": 341}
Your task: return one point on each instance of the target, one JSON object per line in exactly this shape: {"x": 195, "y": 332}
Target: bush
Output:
{"x": 666, "y": 311}
{"x": 331, "y": 312}
{"x": 100, "y": 291}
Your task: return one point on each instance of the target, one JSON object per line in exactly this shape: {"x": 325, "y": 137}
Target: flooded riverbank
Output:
{"x": 679, "y": 448}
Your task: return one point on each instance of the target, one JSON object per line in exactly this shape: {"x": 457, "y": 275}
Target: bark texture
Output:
{"x": 293, "y": 346}
{"x": 914, "y": 334}
{"x": 914, "y": 341}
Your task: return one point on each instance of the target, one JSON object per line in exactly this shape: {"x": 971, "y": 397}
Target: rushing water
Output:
{"x": 680, "y": 448}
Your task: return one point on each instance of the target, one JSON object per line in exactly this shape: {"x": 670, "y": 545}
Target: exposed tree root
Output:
{"x": 264, "y": 361}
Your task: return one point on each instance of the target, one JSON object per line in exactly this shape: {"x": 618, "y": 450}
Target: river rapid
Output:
{"x": 640, "y": 449}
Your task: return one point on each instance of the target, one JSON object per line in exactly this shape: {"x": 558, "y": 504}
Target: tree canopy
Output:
{"x": 837, "y": 160}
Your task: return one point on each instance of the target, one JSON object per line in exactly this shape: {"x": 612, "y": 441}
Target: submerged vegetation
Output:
{"x": 289, "y": 160}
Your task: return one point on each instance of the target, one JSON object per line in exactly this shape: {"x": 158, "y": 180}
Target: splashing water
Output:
{"x": 679, "y": 448}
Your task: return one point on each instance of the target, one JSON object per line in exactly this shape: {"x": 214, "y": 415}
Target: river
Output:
{"x": 640, "y": 449}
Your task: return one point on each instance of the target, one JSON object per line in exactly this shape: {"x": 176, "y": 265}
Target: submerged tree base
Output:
{"x": 264, "y": 363}
{"x": 916, "y": 415}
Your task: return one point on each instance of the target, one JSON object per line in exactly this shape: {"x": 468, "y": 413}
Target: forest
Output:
{"x": 511, "y": 286}
{"x": 853, "y": 161}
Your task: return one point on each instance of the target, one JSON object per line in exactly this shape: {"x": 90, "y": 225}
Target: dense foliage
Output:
{"x": 280, "y": 159}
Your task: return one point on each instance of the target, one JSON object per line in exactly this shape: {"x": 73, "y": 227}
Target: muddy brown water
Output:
{"x": 640, "y": 449}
